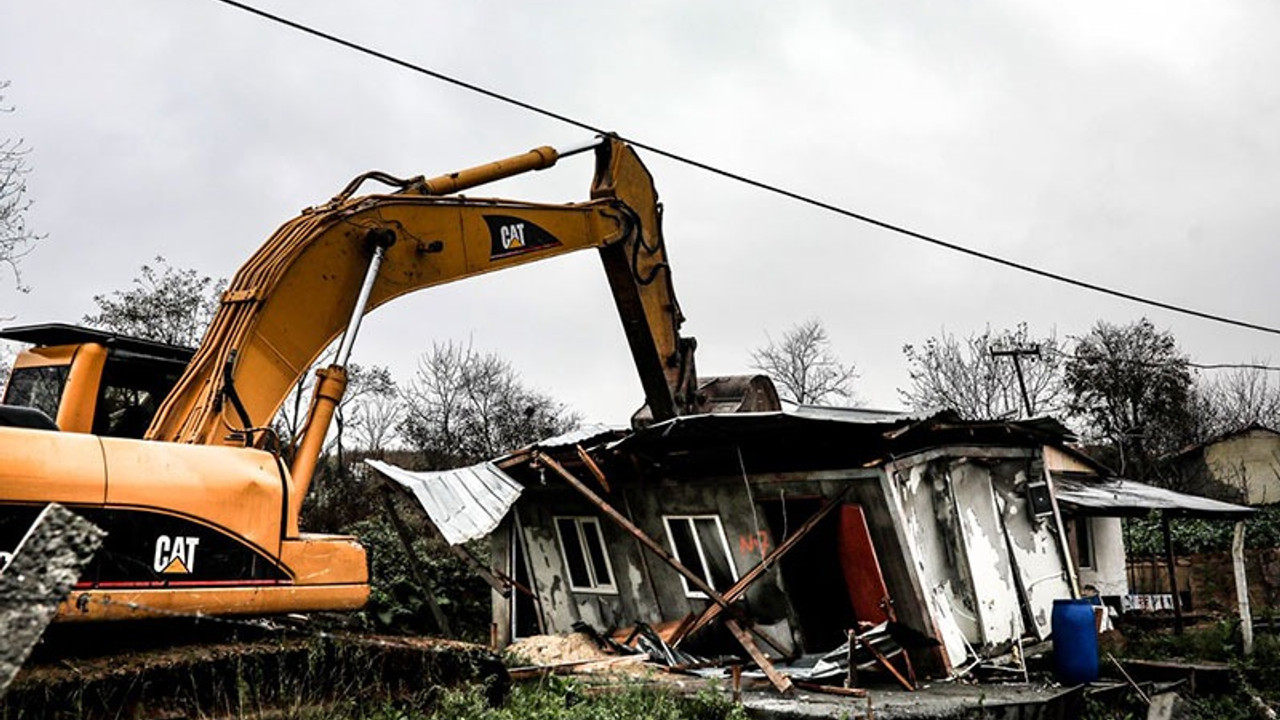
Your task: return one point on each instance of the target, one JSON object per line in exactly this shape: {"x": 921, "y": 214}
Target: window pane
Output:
{"x": 717, "y": 554}
{"x": 573, "y": 555}
{"x": 595, "y": 551}
{"x": 130, "y": 394}
{"x": 37, "y": 387}
{"x": 685, "y": 545}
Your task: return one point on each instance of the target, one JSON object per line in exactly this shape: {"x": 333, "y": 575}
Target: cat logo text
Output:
{"x": 175, "y": 555}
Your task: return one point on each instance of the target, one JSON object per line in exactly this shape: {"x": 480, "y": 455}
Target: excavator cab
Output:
{"x": 78, "y": 379}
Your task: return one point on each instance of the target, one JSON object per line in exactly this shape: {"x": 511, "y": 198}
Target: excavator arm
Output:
{"x": 296, "y": 295}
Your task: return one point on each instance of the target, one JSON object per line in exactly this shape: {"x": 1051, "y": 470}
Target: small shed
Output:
{"x": 782, "y": 532}
{"x": 806, "y": 523}
{"x": 1242, "y": 466}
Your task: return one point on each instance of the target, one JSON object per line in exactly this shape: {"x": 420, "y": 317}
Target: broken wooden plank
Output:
{"x": 832, "y": 689}
{"x": 884, "y": 662}
{"x": 593, "y": 468}
{"x": 570, "y": 666}
{"x": 755, "y": 573}
{"x": 492, "y": 576}
{"x": 780, "y": 682}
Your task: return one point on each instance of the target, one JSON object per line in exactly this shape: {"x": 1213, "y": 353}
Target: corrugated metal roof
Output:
{"x": 464, "y": 503}
{"x": 1115, "y": 496}
{"x": 585, "y": 435}
{"x": 794, "y": 418}
{"x": 859, "y": 415}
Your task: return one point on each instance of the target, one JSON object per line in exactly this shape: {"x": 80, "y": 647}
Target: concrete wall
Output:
{"x": 1250, "y": 461}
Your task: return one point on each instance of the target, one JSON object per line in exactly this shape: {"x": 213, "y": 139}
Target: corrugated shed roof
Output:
{"x": 464, "y": 503}
{"x": 1115, "y": 496}
{"x": 585, "y": 435}
{"x": 795, "y": 418}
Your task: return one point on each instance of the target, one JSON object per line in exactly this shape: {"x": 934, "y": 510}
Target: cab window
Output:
{"x": 130, "y": 393}
{"x": 37, "y": 387}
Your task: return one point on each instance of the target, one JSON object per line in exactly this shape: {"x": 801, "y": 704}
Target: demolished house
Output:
{"x": 784, "y": 532}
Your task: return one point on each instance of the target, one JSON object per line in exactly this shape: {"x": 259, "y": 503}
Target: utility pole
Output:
{"x": 1016, "y": 353}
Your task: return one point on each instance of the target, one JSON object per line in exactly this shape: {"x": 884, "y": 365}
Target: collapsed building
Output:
{"x": 785, "y": 531}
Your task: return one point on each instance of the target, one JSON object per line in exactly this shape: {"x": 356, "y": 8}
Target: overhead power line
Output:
{"x": 1157, "y": 363}
{"x": 759, "y": 184}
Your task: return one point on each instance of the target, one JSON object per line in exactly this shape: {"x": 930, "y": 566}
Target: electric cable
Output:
{"x": 759, "y": 184}
{"x": 1156, "y": 364}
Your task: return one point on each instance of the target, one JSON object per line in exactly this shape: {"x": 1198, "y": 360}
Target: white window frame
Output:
{"x": 690, "y": 592}
{"x": 580, "y": 522}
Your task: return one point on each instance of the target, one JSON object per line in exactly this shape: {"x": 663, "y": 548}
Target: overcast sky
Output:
{"x": 1130, "y": 144}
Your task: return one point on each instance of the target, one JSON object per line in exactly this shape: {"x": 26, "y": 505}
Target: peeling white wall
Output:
{"x": 985, "y": 546}
{"x": 934, "y": 563}
{"x": 1108, "y": 573}
{"x": 979, "y": 553}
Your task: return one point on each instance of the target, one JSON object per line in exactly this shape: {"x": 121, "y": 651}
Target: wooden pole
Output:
{"x": 1242, "y": 588}
{"x": 415, "y": 566}
{"x": 1173, "y": 572}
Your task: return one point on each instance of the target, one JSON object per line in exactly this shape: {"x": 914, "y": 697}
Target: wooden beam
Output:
{"x": 755, "y": 573}
{"x": 781, "y": 682}
{"x": 495, "y": 578}
{"x": 415, "y": 565}
{"x": 593, "y": 468}
{"x": 884, "y": 662}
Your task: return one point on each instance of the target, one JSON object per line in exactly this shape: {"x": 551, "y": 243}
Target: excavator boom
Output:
{"x": 293, "y": 298}
{"x": 201, "y": 511}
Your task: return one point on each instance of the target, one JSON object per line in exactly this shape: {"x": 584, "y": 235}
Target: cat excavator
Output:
{"x": 171, "y": 450}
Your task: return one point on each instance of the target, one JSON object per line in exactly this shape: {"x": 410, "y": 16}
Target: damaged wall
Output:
{"x": 989, "y": 566}
{"x": 964, "y": 557}
{"x": 756, "y": 515}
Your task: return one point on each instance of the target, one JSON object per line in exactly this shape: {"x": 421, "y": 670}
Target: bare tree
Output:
{"x": 964, "y": 374}
{"x": 463, "y": 406}
{"x": 375, "y": 421}
{"x": 166, "y": 304}
{"x": 16, "y": 238}
{"x": 1236, "y": 399}
{"x": 367, "y": 387}
{"x": 804, "y": 366}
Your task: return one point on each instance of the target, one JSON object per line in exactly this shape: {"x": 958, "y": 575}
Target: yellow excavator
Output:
{"x": 171, "y": 451}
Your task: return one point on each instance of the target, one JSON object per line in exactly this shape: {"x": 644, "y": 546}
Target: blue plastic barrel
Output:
{"x": 1075, "y": 642}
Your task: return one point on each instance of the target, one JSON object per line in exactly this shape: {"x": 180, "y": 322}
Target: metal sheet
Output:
{"x": 586, "y": 435}
{"x": 1115, "y": 496}
{"x": 464, "y": 503}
